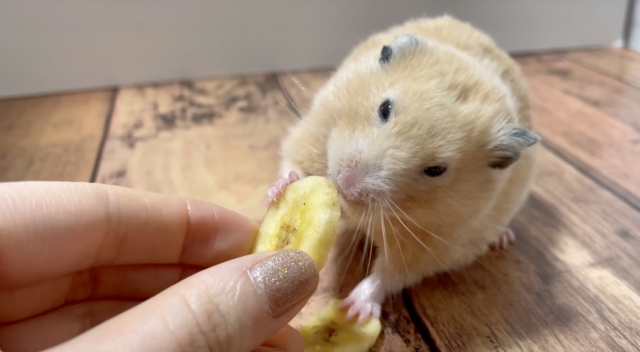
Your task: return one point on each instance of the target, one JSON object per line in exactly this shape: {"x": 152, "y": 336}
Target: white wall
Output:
{"x": 49, "y": 46}
{"x": 634, "y": 40}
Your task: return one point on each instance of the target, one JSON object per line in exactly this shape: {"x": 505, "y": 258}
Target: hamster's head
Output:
{"x": 418, "y": 125}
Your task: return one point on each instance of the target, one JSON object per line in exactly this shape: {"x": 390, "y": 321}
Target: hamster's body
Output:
{"x": 426, "y": 131}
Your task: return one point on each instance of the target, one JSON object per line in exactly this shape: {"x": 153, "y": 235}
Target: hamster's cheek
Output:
{"x": 333, "y": 155}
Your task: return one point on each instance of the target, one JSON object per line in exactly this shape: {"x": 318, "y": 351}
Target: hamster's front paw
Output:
{"x": 505, "y": 238}
{"x": 276, "y": 190}
{"x": 364, "y": 301}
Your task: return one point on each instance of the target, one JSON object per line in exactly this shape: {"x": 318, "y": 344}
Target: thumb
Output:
{"x": 233, "y": 306}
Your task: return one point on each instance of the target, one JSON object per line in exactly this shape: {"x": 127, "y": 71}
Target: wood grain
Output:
{"x": 610, "y": 96}
{"x": 621, "y": 64}
{"x": 562, "y": 286}
{"x": 52, "y": 138}
{"x": 603, "y": 146}
{"x": 213, "y": 140}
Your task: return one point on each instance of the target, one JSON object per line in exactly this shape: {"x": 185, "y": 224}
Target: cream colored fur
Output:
{"x": 453, "y": 91}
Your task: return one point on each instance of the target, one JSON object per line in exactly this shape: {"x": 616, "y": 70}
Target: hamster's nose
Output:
{"x": 350, "y": 185}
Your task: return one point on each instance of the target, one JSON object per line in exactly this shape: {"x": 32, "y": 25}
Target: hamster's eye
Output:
{"x": 435, "y": 171}
{"x": 384, "y": 111}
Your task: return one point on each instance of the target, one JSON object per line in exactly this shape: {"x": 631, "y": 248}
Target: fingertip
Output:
{"x": 223, "y": 308}
{"x": 286, "y": 278}
{"x": 287, "y": 339}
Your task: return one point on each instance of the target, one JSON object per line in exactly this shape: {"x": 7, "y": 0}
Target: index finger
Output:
{"x": 49, "y": 229}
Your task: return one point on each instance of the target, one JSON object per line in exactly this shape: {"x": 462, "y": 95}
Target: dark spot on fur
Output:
{"x": 385, "y": 54}
{"x": 501, "y": 162}
{"x": 463, "y": 93}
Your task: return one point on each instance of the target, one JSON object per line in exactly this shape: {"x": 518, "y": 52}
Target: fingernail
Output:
{"x": 287, "y": 278}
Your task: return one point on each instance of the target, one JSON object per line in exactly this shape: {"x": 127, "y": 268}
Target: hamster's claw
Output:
{"x": 276, "y": 190}
{"x": 506, "y": 238}
{"x": 360, "y": 308}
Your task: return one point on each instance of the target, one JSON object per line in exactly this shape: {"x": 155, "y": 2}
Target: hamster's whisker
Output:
{"x": 286, "y": 94}
{"x": 302, "y": 88}
{"x": 370, "y": 238}
{"x": 414, "y": 235}
{"x": 366, "y": 237}
{"x": 287, "y": 108}
{"x": 420, "y": 227}
{"x": 353, "y": 247}
{"x": 384, "y": 235}
{"x": 395, "y": 235}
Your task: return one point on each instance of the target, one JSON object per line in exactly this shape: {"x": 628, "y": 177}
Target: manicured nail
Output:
{"x": 287, "y": 278}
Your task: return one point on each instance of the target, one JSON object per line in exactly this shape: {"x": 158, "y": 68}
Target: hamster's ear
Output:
{"x": 508, "y": 145}
{"x": 400, "y": 46}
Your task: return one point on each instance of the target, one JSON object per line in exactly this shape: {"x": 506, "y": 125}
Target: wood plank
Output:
{"x": 602, "y": 146}
{"x": 568, "y": 283}
{"x": 218, "y": 141}
{"x": 213, "y": 140}
{"x": 619, "y": 63}
{"x": 602, "y": 93}
{"x": 52, "y": 138}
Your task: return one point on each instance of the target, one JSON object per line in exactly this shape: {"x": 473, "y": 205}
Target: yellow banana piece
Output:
{"x": 305, "y": 217}
{"x": 329, "y": 332}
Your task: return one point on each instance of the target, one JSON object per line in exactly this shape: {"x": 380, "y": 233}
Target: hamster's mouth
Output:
{"x": 351, "y": 203}
{"x": 354, "y": 209}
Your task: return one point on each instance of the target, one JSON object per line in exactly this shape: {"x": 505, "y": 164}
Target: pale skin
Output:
{"x": 97, "y": 267}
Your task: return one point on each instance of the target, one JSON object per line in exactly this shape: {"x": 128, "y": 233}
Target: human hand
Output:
{"x": 94, "y": 267}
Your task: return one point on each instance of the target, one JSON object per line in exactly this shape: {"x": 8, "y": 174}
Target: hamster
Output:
{"x": 425, "y": 129}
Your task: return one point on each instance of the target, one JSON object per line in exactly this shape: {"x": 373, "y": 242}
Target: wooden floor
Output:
{"x": 571, "y": 281}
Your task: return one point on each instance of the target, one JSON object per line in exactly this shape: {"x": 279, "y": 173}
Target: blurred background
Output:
{"x": 52, "y": 46}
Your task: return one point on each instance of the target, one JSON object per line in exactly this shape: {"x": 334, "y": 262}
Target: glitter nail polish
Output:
{"x": 287, "y": 278}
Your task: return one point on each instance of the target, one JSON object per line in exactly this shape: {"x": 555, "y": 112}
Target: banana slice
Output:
{"x": 329, "y": 332}
{"x": 306, "y": 217}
